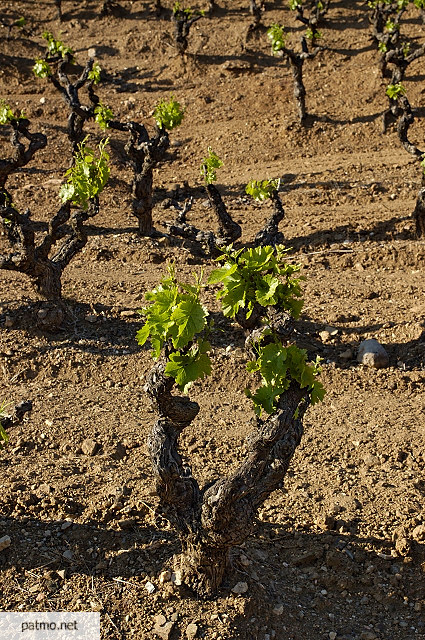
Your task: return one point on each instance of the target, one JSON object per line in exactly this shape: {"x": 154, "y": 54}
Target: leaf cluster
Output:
{"x": 394, "y": 91}
{"x": 257, "y": 276}
{"x": 168, "y": 115}
{"x": 278, "y": 365}
{"x": 209, "y": 165}
{"x": 42, "y": 69}
{"x": 262, "y": 189}
{"x": 94, "y": 73}
{"x": 188, "y": 11}
{"x": 313, "y": 34}
{"x": 295, "y": 4}
{"x": 276, "y": 35}
{"x": 7, "y": 115}
{"x": 102, "y": 115}
{"x": 57, "y": 47}
{"x": 177, "y": 319}
{"x": 87, "y": 178}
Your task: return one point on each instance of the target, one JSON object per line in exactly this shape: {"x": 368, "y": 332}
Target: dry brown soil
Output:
{"x": 339, "y": 551}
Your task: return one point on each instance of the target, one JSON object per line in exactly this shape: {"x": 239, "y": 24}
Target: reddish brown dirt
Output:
{"x": 326, "y": 559}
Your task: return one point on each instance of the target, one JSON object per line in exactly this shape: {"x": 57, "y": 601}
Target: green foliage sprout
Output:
{"x": 262, "y": 189}
{"x": 313, "y": 34}
{"x": 56, "y": 47}
{"x": 295, "y": 4}
{"x": 3, "y": 435}
{"x": 177, "y": 319}
{"x": 102, "y": 115}
{"x": 278, "y": 365}
{"x": 394, "y": 91}
{"x": 276, "y": 35}
{"x": 209, "y": 165}
{"x": 257, "y": 276}
{"x": 87, "y": 178}
{"x": 7, "y": 115}
{"x": 188, "y": 11}
{"x": 391, "y": 26}
{"x": 168, "y": 115}
{"x": 94, "y": 73}
{"x": 42, "y": 69}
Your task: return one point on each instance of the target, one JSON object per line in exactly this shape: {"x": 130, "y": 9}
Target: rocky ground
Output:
{"x": 339, "y": 552}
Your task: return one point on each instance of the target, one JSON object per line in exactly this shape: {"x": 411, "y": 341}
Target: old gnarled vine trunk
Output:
{"x": 212, "y": 520}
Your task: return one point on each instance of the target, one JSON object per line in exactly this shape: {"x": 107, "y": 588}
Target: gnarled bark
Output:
{"x": 406, "y": 119}
{"x": 296, "y": 61}
{"x": 270, "y": 234}
{"x": 228, "y": 229}
{"x": 22, "y": 154}
{"x": 79, "y": 113}
{"x": 144, "y": 154}
{"x": 182, "y": 24}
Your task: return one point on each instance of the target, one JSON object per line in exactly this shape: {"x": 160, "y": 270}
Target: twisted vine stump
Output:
{"x": 79, "y": 113}
{"x": 182, "y": 24}
{"x": 400, "y": 62}
{"x": 270, "y": 234}
{"x": 144, "y": 154}
{"x": 228, "y": 229}
{"x": 406, "y": 119}
{"x": 212, "y": 520}
{"x": 296, "y": 61}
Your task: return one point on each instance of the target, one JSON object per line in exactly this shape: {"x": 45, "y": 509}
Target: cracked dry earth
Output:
{"x": 338, "y": 553}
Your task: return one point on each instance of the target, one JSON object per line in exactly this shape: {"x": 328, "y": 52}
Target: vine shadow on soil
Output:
{"x": 277, "y": 557}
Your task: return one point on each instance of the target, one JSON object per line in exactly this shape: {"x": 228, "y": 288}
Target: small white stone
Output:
{"x": 68, "y": 555}
{"x": 332, "y": 635}
{"x": 278, "y": 609}
{"x": 150, "y": 588}
{"x": 372, "y": 354}
{"x": 43, "y": 100}
{"x": 65, "y": 525}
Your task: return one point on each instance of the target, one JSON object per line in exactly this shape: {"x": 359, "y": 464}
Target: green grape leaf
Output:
{"x": 209, "y": 165}
{"x": 143, "y": 334}
{"x": 186, "y": 368}
{"x": 265, "y": 294}
{"x": 189, "y": 318}
{"x": 218, "y": 275}
{"x": 87, "y": 177}
{"x": 264, "y": 398}
{"x": 276, "y": 35}
{"x": 262, "y": 189}
{"x": 318, "y": 392}
{"x": 168, "y": 115}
